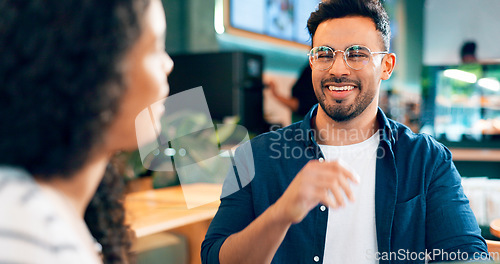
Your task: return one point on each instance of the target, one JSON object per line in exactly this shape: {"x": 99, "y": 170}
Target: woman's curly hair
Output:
{"x": 61, "y": 83}
{"x": 60, "y": 78}
{"x": 105, "y": 216}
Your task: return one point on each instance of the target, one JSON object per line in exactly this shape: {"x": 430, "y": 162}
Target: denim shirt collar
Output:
{"x": 307, "y": 128}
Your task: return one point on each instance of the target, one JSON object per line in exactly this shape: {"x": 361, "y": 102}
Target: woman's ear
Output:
{"x": 388, "y": 64}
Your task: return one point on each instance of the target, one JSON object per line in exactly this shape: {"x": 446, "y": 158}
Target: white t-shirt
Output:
{"x": 38, "y": 225}
{"x": 351, "y": 232}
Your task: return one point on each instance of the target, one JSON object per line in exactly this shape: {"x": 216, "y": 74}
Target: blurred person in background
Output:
{"x": 303, "y": 97}
{"x": 74, "y": 75}
{"x": 468, "y": 52}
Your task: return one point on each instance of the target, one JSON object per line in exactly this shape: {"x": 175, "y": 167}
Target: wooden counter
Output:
{"x": 153, "y": 211}
{"x": 495, "y": 227}
{"x": 465, "y": 154}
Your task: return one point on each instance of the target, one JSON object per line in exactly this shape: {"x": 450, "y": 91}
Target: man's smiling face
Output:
{"x": 344, "y": 93}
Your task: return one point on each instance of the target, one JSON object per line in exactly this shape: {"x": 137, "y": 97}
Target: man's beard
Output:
{"x": 340, "y": 112}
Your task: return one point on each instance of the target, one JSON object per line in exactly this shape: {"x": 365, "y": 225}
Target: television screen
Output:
{"x": 281, "y": 19}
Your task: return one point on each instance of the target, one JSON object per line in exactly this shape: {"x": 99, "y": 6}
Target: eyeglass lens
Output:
{"x": 356, "y": 57}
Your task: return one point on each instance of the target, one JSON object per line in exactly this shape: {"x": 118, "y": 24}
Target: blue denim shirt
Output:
{"x": 419, "y": 201}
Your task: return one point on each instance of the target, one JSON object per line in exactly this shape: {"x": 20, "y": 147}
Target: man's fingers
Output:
{"x": 327, "y": 199}
{"x": 338, "y": 184}
{"x": 344, "y": 184}
{"x": 332, "y": 182}
{"x": 335, "y": 190}
{"x": 353, "y": 177}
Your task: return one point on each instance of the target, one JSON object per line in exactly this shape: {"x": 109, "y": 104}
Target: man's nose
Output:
{"x": 339, "y": 66}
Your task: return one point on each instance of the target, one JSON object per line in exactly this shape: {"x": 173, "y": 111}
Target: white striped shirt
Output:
{"x": 37, "y": 226}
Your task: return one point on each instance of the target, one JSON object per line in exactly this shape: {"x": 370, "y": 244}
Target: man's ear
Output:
{"x": 388, "y": 64}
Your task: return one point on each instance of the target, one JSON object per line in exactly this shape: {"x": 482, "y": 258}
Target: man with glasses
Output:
{"x": 346, "y": 185}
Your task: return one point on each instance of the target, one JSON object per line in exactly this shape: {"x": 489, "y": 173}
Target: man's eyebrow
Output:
{"x": 349, "y": 45}
{"x": 326, "y": 46}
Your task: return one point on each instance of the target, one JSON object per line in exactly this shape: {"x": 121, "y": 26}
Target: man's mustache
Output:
{"x": 342, "y": 79}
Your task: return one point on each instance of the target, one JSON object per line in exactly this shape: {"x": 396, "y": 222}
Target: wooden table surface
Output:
{"x": 158, "y": 210}
{"x": 154, "y": 211}
{"x": 465, "y": 154}
{"x": 495, "y": 227}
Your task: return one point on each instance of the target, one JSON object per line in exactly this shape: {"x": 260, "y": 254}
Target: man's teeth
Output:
{"x": 341, "y": 88}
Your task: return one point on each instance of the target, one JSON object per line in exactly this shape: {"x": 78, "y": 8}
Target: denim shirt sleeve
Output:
{"x": 236, "y": 209}
{"x": 234, "y": 214}
{"x": 451, "y": 225}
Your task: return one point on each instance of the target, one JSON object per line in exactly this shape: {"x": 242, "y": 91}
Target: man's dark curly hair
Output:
{"x": 61, "y": 84}
{"x": 373, "y": 9}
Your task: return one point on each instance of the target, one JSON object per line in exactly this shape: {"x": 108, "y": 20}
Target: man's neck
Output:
{"x": 359, "y": 129}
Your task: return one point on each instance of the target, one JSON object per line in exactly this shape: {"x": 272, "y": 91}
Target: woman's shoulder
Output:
{"x": 31, "y": 228}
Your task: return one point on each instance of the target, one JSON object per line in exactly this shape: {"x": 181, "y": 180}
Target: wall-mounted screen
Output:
{"x": 279, "y": 19}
